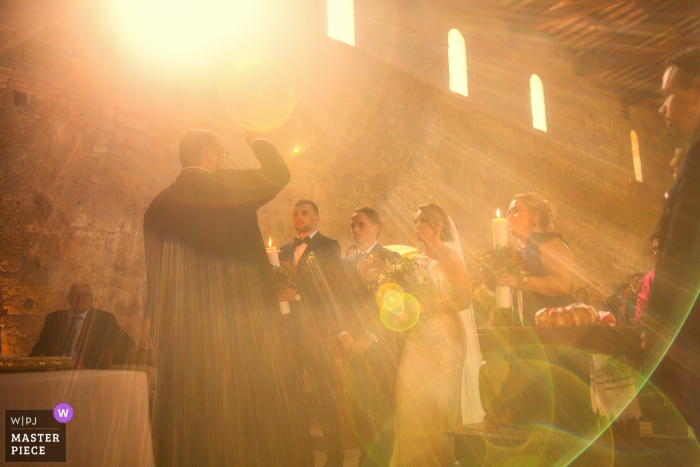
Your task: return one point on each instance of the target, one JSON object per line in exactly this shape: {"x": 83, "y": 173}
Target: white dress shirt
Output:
{"x": 302, "y": 248}
{"x": 361, "y": 255}
{"x": 78, "y": 328}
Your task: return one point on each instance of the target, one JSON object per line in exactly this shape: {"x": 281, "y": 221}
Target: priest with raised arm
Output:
{"x": 222, "y": 397}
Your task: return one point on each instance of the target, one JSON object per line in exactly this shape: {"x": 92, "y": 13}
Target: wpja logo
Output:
{"x": 37, "y": 435}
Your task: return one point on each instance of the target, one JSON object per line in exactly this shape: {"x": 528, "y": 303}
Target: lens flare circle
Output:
{"x": 390, "y": 296}
{"x": 402, "y": 317}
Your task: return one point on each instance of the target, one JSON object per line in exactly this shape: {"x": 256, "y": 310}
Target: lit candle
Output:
{"x": 273, "y": 256}
{"x": 500, "y": 238}
{"x": 500, "y": 230}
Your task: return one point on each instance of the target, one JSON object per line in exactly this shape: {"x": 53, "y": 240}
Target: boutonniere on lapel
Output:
{"x": 373, "y": 268}
{"x": 311, "y": 259}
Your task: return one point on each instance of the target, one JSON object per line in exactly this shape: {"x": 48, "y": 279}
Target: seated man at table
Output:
{"x": 81, "y": 332}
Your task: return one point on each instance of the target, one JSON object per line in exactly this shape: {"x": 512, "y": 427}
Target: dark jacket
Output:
{"x": 676, "y": 284}
{"x": 363, "y": 314}
{"x": 99, "y": 330}
{"x": 320, "y": 283}
{"x": 212, "y": 301}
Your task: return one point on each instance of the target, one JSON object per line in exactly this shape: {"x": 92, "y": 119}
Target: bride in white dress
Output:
{"x": 429, "y": 389}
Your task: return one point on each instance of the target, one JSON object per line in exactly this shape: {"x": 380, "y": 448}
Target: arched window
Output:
{"x": 341, "y": 20}
{"x": 636, "y": 160}
{"x": 539, "y": 116}
{"x": 457, "y": 54}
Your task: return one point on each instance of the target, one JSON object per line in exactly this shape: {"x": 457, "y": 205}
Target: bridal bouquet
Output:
{"x": 402, "y": 287}
{"x": 284, "y": 276}
{"x": 494, "y": 262}
{"x": 413, "y": 278}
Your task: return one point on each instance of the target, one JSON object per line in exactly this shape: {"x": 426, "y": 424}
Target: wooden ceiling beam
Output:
{"x": 592, "y": 64}
{"x": 578, "y": 9}
{"x": 659, "y": 18}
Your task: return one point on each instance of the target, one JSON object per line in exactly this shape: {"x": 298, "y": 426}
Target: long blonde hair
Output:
{"x": 536, "y": 203}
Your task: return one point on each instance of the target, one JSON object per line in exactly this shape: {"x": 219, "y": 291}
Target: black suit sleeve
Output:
{"x": 257, "y": 187}
{"x": 113, "y": 332}
{"x": 334, "y": 278}
{"x": 677, "y": 280}
{"x": 348, "y": 310}
{"x": 42, "y": 346}
{"x": 339, "y": 289}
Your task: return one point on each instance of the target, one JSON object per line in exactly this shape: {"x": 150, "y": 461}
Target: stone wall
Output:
{"x": 82, "y": 156}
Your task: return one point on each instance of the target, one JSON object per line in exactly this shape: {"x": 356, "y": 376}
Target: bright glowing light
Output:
{"x": 296, "y": 149}
{"x": 269, "y": 244}
{"x": 176, "y": 29}
{"x": 457, "y": 54}
{"x": 636, "y": 160}
{"x": 539, "y": 116}
{"x": 404, "y": 317}
{"x": 498, "y": 213}
{"x": 390, "y": 296}
{"x": 341, "y": 20}
{"x": 258, "y": 91}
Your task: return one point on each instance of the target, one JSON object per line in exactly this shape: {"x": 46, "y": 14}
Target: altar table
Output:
{"x": 110, "y": 425}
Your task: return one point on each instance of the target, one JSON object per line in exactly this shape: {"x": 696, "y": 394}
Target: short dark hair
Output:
{"x": 655, "y": 236}
{"x": 638, "y": 274}
{"x": 301, "y": 202}
{"x": 194, "y": 144}
{"x": 371, "y": 214}
{"x": 436, "y": 214}
{"x": 688, "y": 63}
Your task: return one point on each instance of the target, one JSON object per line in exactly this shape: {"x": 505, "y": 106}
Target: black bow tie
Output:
{"x": 298, "y": 241}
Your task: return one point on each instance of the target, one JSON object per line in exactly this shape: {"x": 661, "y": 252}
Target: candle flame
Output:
{"x": 269, "y": 244}
{"x": 498, "y": 213}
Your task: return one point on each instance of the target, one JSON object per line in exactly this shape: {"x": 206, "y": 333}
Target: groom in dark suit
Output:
{"x": 371, "y": 346}
{"x": 315, "y": 315}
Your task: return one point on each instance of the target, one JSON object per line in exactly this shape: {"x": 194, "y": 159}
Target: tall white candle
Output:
{"x": 273, "y": 256}
{"x": 500, "y": 230}
{"x": 500, "y": 238}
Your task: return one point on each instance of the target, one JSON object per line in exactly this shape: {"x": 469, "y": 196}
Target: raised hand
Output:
{"x": 348, "y": 342}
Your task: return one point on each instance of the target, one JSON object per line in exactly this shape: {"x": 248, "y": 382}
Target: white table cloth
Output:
{"x": 110, "y": 425}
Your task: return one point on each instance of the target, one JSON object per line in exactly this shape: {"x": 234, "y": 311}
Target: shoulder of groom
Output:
{"x": 321, "y": 239}
{"x": 388, "y": 253}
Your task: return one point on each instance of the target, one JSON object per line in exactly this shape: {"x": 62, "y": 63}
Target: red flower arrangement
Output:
{"x": 284, "y": 275}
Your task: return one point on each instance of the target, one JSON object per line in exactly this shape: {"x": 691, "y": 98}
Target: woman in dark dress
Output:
{"x": 548, "y": 260}
{"x": 549, "y": 265}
